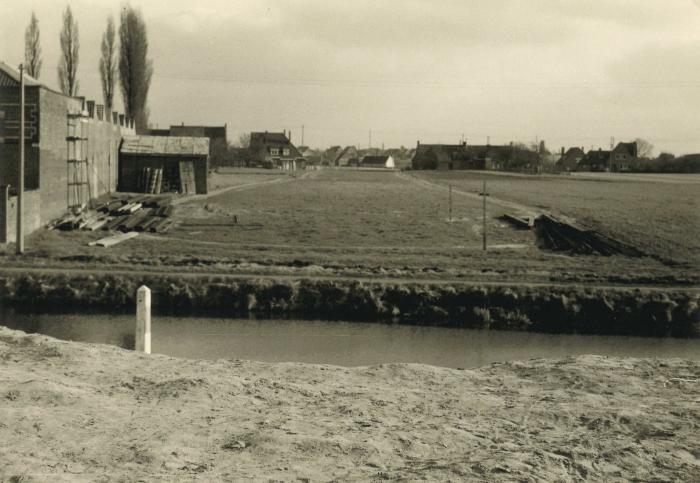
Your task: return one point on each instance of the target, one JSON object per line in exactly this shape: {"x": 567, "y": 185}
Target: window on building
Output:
{"x": 285, "y": 152}
{"x": 274, "y": 151}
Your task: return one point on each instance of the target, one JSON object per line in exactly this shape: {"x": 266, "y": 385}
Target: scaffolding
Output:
{"x": 78, "y": 188}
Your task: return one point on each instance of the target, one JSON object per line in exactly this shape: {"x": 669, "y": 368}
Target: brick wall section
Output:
{"x": 102, "y": 147}
{"x": 53, "y": 152}
{"x": 46, "y": 154}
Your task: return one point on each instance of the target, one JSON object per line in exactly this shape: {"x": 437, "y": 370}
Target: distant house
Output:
{"x": 381, "y": 161}
{"x": 568, "y": 161}
{"x": 441, "y": 156}
{"x": 623, "y": 157}
{"x": 347, "y": 156}
{"x": 275, "y": 150}
{"x": 595, "y": 161}
{"x": 313, "y": 157}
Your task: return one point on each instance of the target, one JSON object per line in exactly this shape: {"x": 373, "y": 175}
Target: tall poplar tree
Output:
{"x": 135, "y": 68}
{"x": 32, "y": 48}
{"x": 68, "y": 64}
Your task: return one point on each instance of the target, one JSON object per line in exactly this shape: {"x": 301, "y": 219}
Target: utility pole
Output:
{"x": 302, "y": 135}
{"x": 483, "y": 193}
{"x": 20, "y": 184}
{"x": 450, "y": 203}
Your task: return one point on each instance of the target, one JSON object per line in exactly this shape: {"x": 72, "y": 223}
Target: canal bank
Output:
{"x": 88, "y": 412}
{"x": 612, "y": 310}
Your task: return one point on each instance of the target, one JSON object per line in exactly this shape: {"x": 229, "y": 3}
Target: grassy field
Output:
{"x": 386, "y": 224}
{"x": 660, "y": 214}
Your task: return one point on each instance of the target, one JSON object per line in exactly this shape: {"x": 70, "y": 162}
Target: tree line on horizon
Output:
{"x": 126, "y": 61}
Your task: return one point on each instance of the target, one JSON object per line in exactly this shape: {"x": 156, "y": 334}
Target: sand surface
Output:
{"x": 86, "y": 412}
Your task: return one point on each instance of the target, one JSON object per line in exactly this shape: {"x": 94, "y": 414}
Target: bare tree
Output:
{"x": 108, "y": 65}
{"x": 243, "y": 140}
{"x": 32, "y": 48}
{"x": 68, "y": 65}
{"x": 644, "y": 148}
{"x": 135, "y": 68}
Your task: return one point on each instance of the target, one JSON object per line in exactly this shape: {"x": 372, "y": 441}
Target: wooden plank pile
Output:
{"x": 526, "y": 223}
{"x": 150, "y": 180}
{"x": 143, "y": 213}
{"x": 562, "y": 236}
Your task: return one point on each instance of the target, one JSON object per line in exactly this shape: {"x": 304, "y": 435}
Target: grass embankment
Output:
{"x": 537, "y": 308}
{"x": 658, "y": 214}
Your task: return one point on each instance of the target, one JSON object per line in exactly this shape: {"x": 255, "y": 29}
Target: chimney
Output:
{"x": 562, "y": 151}
{"x": 91, "y": 108}
{"x": 417, "y": 144}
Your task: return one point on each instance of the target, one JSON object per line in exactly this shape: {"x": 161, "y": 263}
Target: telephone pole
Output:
{"x": 302, "y": 135}
{"x": 20, "y": 184}
{"x": 483, "y": 193}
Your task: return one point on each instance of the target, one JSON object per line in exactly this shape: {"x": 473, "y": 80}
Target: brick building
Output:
{"x": 71, "y": 151}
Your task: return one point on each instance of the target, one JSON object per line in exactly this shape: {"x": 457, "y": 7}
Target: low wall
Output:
{"x": 8, "y": 214}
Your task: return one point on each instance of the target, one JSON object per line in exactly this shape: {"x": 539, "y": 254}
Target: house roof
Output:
{"x": 347, "y": 150}
{"x": 199, "y": 131}
{"x": 260, "y": 141}
{"x": 375, "y": 159}
{"x": 629, "y": 148}
{"x": 11, "y": 77}
{"x": 165, "y": 146}
{"x": 599, "y": 155}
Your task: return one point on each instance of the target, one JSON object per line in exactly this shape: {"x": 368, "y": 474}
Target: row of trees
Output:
{"x": 127, "y": 61}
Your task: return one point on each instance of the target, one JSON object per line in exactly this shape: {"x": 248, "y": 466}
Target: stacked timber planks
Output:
{"x": 145, "y": 213}
{"x": 562, "y": 236}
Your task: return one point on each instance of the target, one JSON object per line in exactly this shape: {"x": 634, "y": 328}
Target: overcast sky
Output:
{"x": 571, "y": 72}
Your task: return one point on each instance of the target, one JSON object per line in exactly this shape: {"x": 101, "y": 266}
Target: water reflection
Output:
{"x": 341, "y": 343}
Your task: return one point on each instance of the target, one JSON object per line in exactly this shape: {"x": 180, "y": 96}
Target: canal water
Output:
{"x": 339, "y": 343}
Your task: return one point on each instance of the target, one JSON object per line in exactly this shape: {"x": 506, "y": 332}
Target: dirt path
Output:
{"x": 240, "y": 187}
{"x": 514, "y": 208}
{"x": 97, "y": 272}
{"x": 75, "y": 412}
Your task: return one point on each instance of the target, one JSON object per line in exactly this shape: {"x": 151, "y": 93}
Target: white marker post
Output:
{"x": 143, "y": 320}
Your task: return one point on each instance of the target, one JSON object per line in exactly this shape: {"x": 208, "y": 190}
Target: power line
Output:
{"x": 431, "y": 84}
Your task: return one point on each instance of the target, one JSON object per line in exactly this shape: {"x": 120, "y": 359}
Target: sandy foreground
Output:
{"x": 87, "y": 412}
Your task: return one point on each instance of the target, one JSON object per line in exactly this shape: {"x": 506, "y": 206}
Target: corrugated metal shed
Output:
{"x": 165, "y": 146}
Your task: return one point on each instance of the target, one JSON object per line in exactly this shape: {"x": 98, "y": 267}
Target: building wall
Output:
{"x": 46, "y": 150}
{"x": 8, "y": 214}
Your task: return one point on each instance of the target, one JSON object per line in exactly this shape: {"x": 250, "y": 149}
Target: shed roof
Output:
{"x": 165, "y": 146}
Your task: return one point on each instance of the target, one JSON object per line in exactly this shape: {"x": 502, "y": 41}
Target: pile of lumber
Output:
{"x": 150, "y": 180}
{"x": 522, "y": 223}
{"x": 140, "y": 213}
{"x": 559, "y": 235}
